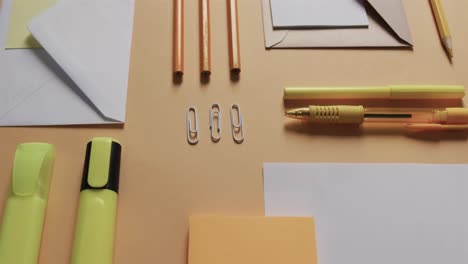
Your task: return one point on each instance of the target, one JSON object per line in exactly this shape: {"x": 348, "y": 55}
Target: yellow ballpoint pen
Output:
{"x": 415, "y": 118}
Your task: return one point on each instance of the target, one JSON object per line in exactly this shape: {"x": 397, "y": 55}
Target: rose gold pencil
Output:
{"x": 178, "y": 47}
{"x": 234, "y": 43}
{"x": 205, "y": 38}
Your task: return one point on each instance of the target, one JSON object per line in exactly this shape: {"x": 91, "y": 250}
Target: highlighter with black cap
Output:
{"x": 95, "y": 227}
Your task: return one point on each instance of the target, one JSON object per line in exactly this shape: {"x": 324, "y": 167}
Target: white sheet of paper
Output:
{"x": 36, "y": 90}
{"x": 318, "y": 13}
{"x": 376, "y": 213}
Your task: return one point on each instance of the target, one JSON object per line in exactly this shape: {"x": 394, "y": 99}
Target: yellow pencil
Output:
{"x": 442, "y": 25}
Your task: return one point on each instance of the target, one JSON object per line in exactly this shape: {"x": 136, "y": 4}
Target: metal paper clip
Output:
{"x": 237, "y": 128}
{"x": 192, "y": 131}
{"x": 215, "y": 113}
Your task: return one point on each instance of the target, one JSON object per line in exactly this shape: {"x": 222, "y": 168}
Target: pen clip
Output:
{"x": 32, "y": 169}
{"x": 99, "y": 162}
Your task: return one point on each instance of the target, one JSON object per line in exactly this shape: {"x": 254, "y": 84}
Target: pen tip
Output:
{"x": 289, "y": 113}
{"x": 301, "y": 113}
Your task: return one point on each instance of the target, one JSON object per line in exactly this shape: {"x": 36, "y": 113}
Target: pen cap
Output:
{"x": 336, "y": 114}
{"x": 32, "y": 169}
{"x": 452, "y": 116}
{"x": 319, "y": 93}
{"x": 102, "y": 165}
{"x": 423, "y": 92}
{"x": 397, "y": 92}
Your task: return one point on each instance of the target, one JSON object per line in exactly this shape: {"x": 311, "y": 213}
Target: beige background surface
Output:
{"x": 164, "y": 180}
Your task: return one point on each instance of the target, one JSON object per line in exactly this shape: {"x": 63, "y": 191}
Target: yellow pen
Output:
{"x": 95, "y": 228}
{"x": 395, "y": 92}
{"x": 422, "y": 118}
{"x": 25, "y": 210}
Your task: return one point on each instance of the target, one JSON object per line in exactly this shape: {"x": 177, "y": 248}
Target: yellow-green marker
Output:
{"x": 95, "y": 228}
{"x": 24, "y": 214}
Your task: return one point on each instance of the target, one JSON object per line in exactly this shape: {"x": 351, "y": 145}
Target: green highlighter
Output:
{"x": 24, "y": 214}
{"x": 95, "y": 228}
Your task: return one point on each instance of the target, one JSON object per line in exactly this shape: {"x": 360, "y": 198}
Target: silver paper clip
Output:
{"x": 192, "y": 131}
{"x": 215, "y": 113}
{"x": 237, "y": 128}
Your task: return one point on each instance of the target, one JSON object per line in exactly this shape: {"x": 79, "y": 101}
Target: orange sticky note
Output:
{"x": 252, "y": 240}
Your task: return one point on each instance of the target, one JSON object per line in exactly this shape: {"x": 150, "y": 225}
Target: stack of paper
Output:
{"x": 376, "y": 213}
{"x": 81, "y": 75}
{"x": 335, "y": 23}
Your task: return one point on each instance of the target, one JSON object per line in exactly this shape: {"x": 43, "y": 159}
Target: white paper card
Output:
{"x": 376, "y": 213}
{"x": 66, "y": 85}
{"x": 318, "y": 13}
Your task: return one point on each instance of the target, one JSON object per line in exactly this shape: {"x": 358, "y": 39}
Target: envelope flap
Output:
{"x": 91, "y": 41}
{"x": 14, "y": 66}
{"x": 275, "y": 36}
{"x": 393, "y": 13}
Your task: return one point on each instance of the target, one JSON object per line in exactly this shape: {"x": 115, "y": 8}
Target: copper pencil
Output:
{"x": 178, "y": 47}
{"x": 205, "y": 38}
{"x": 234, "y": 43}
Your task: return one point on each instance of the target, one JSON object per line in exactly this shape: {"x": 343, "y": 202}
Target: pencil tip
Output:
{"x": 449, "y": 46}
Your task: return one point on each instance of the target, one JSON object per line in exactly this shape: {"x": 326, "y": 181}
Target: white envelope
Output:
{"x": 388, "y": 27}
{"x": 89, "y": 86}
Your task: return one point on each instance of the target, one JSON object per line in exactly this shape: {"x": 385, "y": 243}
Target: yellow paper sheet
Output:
{"x": 22, "y": 11}
{"x": 252, "y": 240}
